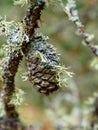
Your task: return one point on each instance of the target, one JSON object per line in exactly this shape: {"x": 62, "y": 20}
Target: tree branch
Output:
{"x": 30, "y": 21}
{"x": 72, "y": 13}
{"x": 11, "y": 63}
{"x": 9, "y": 71}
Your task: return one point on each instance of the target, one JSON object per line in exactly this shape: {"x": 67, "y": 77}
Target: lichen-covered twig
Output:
{"x": 72, "y": 13}
{"x": 14, "y": 57}
{"x": 9, "y": 70}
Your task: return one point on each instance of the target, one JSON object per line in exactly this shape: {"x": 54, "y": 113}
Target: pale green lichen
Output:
{"x": 94, "y": 63}
{"x": 14, "y": 32}
{"x": 2, "y": 112}
{"x": 40, "y": 56}
{"x": 10, "y": 49}
{"x": 18, "y": 36}
{"x": 62, "y": 75}
{"x": 21, "y": 2}
{"x": 24, "y": 76}
{"x": 17, "y": 97}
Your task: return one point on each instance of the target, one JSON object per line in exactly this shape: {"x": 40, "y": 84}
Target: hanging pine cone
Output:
{"x": 42, "y": 61}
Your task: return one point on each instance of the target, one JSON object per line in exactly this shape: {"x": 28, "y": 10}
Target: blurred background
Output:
{"x": 67, "y": 109}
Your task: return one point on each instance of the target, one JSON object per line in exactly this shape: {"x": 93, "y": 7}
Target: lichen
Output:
{"x": 21, "y": 2}
{"x": 14, "y": 31}
{"x": 18, "y": 97}
{"x": 2, "y": 112}
{"x": 62, "y": 75}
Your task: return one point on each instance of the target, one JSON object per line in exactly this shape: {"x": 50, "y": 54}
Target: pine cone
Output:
{"x": 42, "y": 60}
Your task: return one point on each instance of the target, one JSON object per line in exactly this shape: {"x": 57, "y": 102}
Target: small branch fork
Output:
{"x": 72, "y": 13}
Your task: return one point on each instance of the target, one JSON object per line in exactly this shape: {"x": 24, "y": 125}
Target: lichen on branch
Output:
{"x": 72, "y": 13}
{"x": 14, "y": 31}
{"x": 18, "y": 37}
{"x": 10, "y": 67}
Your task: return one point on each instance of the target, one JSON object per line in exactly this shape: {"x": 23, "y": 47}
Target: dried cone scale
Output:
{"x": 42, "y": 60}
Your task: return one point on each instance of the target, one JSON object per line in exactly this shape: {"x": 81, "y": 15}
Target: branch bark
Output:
{"x": 9, "y": 71}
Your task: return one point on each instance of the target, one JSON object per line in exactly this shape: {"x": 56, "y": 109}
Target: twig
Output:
{"x": 9, "y": 70}
{"x": 30, "y": 21}
{"x": 72, "y": 13}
